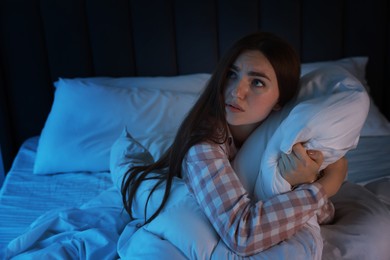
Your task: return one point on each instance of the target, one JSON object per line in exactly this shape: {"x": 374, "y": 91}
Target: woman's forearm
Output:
{"x": 334, "y": 175}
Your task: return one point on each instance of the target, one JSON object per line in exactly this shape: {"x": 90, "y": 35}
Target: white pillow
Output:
{"x": 354, "y": 65}
{"x": 192, "y": 83}
{"x": 328, "y": 115}
{"x": 89, "y": 114}
{"x": 376, "y": 123}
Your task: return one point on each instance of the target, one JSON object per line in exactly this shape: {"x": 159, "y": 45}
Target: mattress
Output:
{"x": 370, "y": 160}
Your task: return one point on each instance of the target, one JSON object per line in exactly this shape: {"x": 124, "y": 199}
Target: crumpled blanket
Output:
{"x": 181, "y": 228}
{"x": 101, "y": 229}
{"x": 88, "y": 232}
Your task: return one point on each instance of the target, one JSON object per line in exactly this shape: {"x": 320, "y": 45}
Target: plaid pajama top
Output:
{"x": 247, "y": 227}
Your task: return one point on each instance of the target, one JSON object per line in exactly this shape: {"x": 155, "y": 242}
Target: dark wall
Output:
{"x": 43, "y": 40}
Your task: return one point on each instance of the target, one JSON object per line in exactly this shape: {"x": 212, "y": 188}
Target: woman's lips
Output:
{"x": 234, "y": 107}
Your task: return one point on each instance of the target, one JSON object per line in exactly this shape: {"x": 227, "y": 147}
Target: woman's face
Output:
{"x": 251, "y": 91}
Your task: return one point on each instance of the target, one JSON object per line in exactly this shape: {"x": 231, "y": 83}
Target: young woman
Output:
{"x": 258, "y": 75}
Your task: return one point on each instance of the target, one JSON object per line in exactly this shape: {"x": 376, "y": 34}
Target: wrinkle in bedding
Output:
{"x": 25, "y": 196}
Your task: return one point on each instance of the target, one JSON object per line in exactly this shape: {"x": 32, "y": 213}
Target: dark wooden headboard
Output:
{"x": 41, "y": 40}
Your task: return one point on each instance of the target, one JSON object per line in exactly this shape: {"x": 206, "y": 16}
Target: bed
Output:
{"x": 73, "y": 73}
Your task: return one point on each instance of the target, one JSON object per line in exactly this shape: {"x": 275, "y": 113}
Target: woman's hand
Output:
{"x": 334, "y": 175}
{"x": 300, "y": 166}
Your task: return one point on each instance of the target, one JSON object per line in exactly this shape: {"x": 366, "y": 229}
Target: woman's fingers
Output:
{"x": 288, "y": 162}
{"x": 316, "y": 156}
{"x": 287, "y": 168}
{"x": 306, "y": 155}
{"x": 282, "y": 167}
{"x": 299, "y": 151}
{"x": 300, "y": 166}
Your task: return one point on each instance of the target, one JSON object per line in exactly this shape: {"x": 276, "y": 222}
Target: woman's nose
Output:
{"x": 239, "y": 90}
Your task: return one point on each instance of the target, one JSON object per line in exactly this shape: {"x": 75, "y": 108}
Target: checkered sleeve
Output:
{"x": 246, "y": 227}
{"x": 326, "y": 213}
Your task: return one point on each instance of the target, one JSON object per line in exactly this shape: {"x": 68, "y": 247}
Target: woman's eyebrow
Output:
{"x": 258, "y": 74}
{"x": 251, "y": 73}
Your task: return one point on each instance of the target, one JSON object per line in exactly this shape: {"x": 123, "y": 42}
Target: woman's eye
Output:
{"x": 257, "y": 83}
{"x": 231, "y": 74}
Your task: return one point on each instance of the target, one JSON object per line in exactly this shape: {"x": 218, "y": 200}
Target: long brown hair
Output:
{"x": 208, "y": 114}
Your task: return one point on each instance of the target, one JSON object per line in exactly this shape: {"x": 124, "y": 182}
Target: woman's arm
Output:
{"x": 246, "y": 227}
{"x": 331, "y": 179}
{"x": 333, "y": 176}
{"x": 302, "y": 166}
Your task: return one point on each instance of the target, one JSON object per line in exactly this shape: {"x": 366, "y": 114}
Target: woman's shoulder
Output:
{"x": 207, "y": 150}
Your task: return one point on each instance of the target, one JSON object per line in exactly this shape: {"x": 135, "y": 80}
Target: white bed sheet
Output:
{"x": 25, "y": 196}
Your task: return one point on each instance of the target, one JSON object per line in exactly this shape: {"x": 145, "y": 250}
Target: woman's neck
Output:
{"x": 241, "y": 132}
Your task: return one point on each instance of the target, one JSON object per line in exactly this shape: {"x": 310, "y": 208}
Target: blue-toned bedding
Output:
{"x": 98, "y": 223}
{"x": 25, "y": 196}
